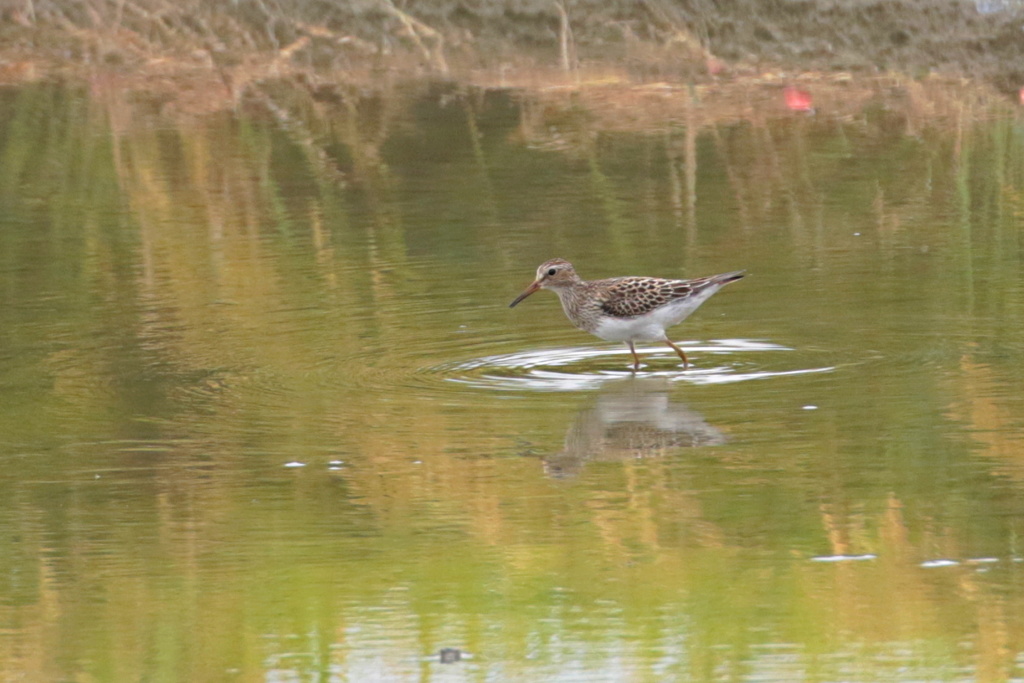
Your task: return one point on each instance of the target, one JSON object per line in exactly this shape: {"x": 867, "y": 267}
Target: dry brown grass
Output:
{"x": 196, "y": 57}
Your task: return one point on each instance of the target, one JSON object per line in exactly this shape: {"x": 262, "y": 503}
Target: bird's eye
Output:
{"x": 551, "y": 271}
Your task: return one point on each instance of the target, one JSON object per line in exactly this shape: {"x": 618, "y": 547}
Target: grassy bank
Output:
{"x": 681, "y": 41}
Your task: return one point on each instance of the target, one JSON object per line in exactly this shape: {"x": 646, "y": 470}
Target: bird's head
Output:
{"x": 551, "y": 274}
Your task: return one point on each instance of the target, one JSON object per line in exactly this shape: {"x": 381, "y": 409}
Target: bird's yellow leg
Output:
{"x": 682, "y": 355}
{"x": 636, "y": 358}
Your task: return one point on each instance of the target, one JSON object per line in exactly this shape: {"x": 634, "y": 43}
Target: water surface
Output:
{"x": 267, "y": 415}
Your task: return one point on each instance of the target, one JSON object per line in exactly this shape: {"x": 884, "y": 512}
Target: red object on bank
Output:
{"x": 797, "y": 99}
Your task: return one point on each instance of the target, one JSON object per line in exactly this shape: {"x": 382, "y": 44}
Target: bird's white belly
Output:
{"x": 650, "y": 326}
{"x": 628, "y": 329}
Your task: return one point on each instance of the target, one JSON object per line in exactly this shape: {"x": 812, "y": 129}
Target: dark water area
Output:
{"x": 267, "y": 415}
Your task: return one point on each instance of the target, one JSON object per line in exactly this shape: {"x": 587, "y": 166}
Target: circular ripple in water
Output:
{"x": 582, "y": 368}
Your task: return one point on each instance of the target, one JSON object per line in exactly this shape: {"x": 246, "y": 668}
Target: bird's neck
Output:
{"x": 572, "y": 296}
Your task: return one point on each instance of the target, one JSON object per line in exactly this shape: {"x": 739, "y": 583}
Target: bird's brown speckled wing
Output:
{"x": 632, "y": 296}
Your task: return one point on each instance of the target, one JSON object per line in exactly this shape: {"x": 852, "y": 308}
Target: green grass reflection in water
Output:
{"x": 191, "y": 307}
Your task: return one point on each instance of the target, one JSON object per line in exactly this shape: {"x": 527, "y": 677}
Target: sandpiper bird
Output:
{"x": 627, "y": 309}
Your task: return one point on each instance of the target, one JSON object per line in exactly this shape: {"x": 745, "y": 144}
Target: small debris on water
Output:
{"x": 810, "y": 407}
{"x": 450, "y": 655}
{"x": 295, "y": 463}
{"x": 932, "y": 564}
{"x": 843, "y": 558}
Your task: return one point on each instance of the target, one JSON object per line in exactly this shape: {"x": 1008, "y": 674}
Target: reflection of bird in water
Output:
{"x": 635, "y": 418}
{"x": 626, "y": 309}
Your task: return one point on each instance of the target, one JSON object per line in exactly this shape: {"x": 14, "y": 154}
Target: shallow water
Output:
{"x": 267, "y": 414}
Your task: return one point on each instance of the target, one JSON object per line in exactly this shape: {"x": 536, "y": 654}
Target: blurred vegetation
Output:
{"x": 675, "y": 40}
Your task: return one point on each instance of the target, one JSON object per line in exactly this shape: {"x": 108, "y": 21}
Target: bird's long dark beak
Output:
{"x": 534, "y": 286}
